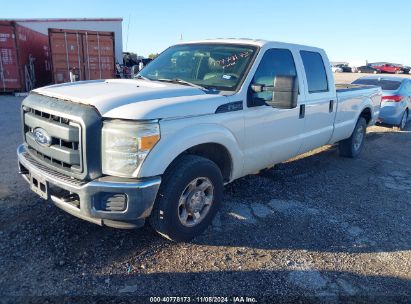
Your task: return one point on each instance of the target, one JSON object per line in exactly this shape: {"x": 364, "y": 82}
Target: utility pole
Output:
{"x": 128, "y": 30}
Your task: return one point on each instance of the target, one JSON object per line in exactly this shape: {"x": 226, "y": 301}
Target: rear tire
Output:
{"x": 404, "y": 120}
{"x": 352, "y": 146}
{"x": 181, "y": 200}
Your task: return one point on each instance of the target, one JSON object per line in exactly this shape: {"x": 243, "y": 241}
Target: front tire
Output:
{"x": 352, "y": 146}
{"x": 188, "y": 199}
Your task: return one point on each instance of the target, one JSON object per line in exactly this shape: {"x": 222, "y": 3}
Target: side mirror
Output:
{"x": 285, "y": 91}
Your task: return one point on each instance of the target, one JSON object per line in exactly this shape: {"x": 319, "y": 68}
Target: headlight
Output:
{"x": 125, "y": 145}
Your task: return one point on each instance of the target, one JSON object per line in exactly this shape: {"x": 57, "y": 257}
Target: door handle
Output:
{"x": 302, "y": 111}
{"x": 331, "y": 107}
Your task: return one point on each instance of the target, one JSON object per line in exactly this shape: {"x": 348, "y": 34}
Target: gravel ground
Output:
{"x": 318, "y": 227}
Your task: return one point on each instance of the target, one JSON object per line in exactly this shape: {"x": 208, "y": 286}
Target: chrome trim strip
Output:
{"x": 66, "y": 155}
{"x": 54, "y": 129}
{"x": 125, "y": 185}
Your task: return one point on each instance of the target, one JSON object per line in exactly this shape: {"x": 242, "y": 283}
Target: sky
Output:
{"x": 373, "y": 30}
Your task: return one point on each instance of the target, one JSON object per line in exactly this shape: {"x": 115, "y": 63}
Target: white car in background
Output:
{"x": 336, "y": 69}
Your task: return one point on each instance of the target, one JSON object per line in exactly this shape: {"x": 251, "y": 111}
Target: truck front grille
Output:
{"x": 63, "y": 150}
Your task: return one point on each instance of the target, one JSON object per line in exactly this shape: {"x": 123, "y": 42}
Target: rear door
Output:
{"x": 89, "y": 55}
{"x": 66, "y": 49}
{"x": 98, "y": 55}
{"x": 9, "y": 67}
{"x": 408, "y": 92}
{"x": 320, "y": 104}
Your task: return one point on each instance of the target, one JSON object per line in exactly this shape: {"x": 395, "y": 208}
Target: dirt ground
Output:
{"x": 318, "y": 227}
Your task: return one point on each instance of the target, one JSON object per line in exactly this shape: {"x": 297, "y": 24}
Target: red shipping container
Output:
{"x": 24, "y": 58}
{"x": 87, "y": 54}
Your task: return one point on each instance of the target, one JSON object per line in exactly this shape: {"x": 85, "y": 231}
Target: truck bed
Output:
{"x": 350, "y": 97}
{"x": 346, "y": 87}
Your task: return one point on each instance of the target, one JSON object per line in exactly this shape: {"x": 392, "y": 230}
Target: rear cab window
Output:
{"x": 317, "y": 80}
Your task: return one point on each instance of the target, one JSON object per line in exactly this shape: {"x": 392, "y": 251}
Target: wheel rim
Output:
{"x": 195, "y": 201}
{"x": 358, "y": 138}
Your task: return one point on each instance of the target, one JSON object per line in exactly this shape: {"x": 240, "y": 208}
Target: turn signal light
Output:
{"x": 148, "y": 142}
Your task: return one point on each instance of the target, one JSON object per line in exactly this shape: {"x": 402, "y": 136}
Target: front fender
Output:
{"x": 174, "y": 141}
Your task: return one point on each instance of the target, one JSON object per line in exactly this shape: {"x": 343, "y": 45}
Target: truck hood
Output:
{"x": 137, "y": 99}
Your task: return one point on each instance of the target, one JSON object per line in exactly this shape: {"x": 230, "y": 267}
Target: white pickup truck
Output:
{"x": 163, "y": 145}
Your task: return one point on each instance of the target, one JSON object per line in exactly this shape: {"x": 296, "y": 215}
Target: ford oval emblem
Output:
{"x": 42, "y": 137}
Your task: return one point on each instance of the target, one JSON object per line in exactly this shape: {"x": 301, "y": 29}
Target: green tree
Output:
{"x": 153, "y": 55}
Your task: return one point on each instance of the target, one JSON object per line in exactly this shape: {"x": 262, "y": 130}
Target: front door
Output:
{"x": 271, "y": 135}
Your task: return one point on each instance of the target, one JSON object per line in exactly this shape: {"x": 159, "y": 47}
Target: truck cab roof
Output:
{"x": 249, "y": 41}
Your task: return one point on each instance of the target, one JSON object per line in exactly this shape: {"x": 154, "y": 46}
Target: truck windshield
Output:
{"x": 210, "y": 66}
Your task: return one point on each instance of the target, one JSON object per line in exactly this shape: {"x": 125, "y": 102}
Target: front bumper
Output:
{"x": 87, "y": 196}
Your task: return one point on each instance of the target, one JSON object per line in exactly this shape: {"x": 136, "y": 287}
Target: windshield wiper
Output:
{"x": 181, "y": 81}
{"x": 141, "y": 77}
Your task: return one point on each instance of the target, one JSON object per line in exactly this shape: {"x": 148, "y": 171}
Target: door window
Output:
{"x": 274, "y": 62}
